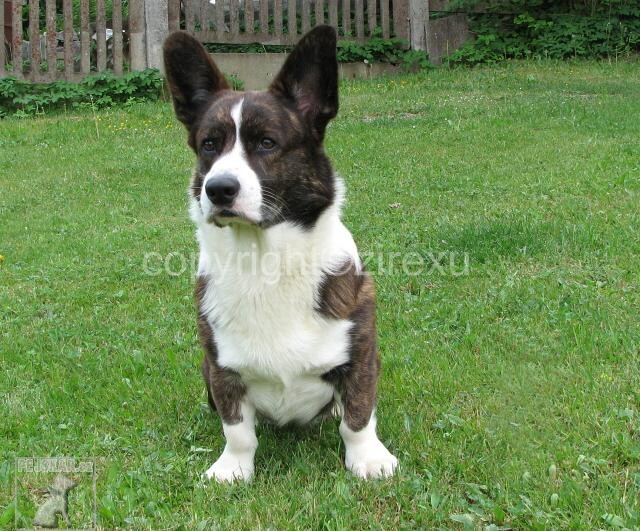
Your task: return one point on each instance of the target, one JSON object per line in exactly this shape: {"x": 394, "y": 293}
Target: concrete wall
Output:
{"x": 257, "y": 70}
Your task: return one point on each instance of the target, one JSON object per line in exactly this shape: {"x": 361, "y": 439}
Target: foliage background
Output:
{"x": 549, "y": 29}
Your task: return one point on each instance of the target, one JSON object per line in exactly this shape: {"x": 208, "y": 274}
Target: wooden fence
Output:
{"x": 284, "y": 22}
{"x": 69, "y": 39}
{"x": 49, "y": 54}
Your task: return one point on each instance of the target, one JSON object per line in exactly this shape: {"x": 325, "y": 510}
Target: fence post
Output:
{"x": 16, "y": 38}
{"x": 401, "y": 19}
{"x": 2, "y": 55}
{"x": 157, "y": 29}
{"x": 418, "y": 21}
{"x": 174, "y": 15}
{"x": 136, "y": 35}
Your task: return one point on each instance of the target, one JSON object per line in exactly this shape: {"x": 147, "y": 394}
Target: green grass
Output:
{"x": 510, "y": 394}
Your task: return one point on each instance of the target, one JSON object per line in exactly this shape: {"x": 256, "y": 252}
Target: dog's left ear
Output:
{"x": 193, "y": 78}
{"x": 309, "y": 78}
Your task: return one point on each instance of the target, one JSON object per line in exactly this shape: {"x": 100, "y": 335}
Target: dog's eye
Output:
{"x": 210, "y": 145}
{"x": 266, "y": 144}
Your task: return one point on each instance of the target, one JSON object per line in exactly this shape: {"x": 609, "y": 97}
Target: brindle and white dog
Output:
{"x": 286, "y": 312}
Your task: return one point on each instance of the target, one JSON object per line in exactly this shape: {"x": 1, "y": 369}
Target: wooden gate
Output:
{"x": 285, "y": 21}
{"x": 64, "y": 43}
{"x": 47, "y": 40}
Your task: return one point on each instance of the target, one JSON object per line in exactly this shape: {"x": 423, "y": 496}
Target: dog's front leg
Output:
{"x": 236, "y": 460}
{"x": 227, "y": 395}
{"x": 365, "y": 456}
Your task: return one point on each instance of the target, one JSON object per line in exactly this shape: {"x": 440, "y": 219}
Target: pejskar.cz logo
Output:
{"x": 55, "y": 493}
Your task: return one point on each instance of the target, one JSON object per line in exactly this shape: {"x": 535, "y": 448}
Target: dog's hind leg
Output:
{"x": 205, "y": 375}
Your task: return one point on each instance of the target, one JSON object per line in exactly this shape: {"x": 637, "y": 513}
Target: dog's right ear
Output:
{"x": 192, "y": 76}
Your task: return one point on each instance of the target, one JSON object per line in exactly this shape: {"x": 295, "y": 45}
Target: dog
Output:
{"x": 286, "y": 312}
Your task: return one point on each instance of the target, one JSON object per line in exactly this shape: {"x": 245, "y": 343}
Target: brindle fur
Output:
{"x": 303, "y": 189}
{"x": 350, "y": 294}
{"x": 203, "y": 101}
{"x": 225, "y": 389}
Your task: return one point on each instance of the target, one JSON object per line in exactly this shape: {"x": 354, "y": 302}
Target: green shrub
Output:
{"x": 101, "y": 90}
{"x": 235, "y": 82}
{"x": 380, "y": 50}
{"x": 545, "y": 29}
{"x": 375, "y": 50}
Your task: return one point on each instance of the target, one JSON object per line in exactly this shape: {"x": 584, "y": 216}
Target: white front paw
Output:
{"x": 370, "y": 460}
{"x": 230, "y": 467}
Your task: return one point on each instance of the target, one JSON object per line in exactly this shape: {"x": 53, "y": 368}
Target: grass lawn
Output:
{"x": 510, "y": 393}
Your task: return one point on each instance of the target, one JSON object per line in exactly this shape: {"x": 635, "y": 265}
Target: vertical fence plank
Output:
{"x": 264, "y": 17}
{"x": 211, "y": 17}
{"x": 173, "y": 15}
{"x": 85, "y": 38}
{"x": 384, "y": 18}
{"x": 16, "y": 40}
{"x": 277, "y": 18}
{"x": 333, "y": 14}
{"x": 137, "y": 48}
{"x": 346, "y": 17}
{"x": 306, "y": 8}
{"x": 248, "y": 16}
{"x": 52, "y": 40}
{"x": 359, "y": 19}
{"x": 372, "y": 16}
{"x": 117, "y": 37}
{"x": 190, "y": 16}
{"x": 101, "y": 36}
{"x": 220, "y": 27}
{"x": 417, "y": 24}
{"x": 401, "y": 19}
{"x": 2, "y": 54}
{"x": 319, "y": 11}
{"x": 201, "y": 12}
{"x": 67, "y": 13}
{"x": 34, "y": 38}
{"x": 292, "y": 23}
{"x": 233, "y": 18}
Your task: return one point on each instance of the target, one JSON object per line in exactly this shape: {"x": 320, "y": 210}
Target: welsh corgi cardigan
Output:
{"x": 286, "y": 312}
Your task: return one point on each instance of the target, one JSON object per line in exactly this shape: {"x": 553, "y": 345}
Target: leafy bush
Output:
{"x": 253, "y": 47}
{"x": 546, "y": 29}
{"x": 375, "y": 50}
{"x": 235, "y": 82}
{"x": 379, "y": 50}
{"x": 102, "y": 90}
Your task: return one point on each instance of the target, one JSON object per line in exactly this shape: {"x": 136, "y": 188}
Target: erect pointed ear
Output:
{"x": 192, "y": 76}
{"x": 309, "y": 78}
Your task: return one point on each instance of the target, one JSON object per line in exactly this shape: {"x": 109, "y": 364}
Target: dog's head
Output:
{"x": 260, "y": 154}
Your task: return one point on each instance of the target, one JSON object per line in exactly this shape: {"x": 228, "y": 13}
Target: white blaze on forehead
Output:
{"x": 234, "y": 163}
{"x": 236, "y": 116}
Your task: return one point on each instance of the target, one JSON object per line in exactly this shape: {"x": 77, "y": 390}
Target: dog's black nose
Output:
{"x": 222, "y": 190}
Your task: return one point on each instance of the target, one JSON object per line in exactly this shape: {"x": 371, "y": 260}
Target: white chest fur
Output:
{"x": 260, "y": 301}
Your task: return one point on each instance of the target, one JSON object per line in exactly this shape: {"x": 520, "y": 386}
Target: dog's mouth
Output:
{"x": 226, "y": 213}
{"x": 226, "y": 216}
